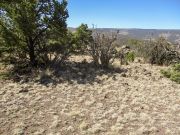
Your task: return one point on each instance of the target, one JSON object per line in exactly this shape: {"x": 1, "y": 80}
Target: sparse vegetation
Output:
{"x": 139, "y": 47}
{"x": 125, "y": 55}
{"x": 38, "y": 37}
{"x": 56, "y": 79}
{"x": 160, "y": 51}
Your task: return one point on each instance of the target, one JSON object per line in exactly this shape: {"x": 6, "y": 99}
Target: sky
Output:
{"x": 145, "y": 14}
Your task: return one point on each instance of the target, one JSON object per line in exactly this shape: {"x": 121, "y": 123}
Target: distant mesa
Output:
{"x": 173, "y": 35}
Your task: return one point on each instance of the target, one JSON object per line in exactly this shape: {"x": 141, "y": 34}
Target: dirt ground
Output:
{"x": 136, "y": 101}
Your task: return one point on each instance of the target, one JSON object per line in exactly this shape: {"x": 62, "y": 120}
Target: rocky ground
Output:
{"x": 135, "y": 101}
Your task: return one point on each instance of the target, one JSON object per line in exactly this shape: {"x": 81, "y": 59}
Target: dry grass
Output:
{"x": 137, "y": 102}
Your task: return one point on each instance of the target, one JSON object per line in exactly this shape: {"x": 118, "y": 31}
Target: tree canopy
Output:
{"x": 82, "y": 36}
{"x": 28, "y": 25}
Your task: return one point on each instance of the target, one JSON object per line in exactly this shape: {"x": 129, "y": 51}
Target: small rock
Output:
{"x": 40, "y": 132}
{"x": 125, "y": 84}
{"x": 55, "y": 122}
{"x": 24, "y": 90}
{"x": 97, "y": 128}
{"x": 135, "y": 77}
{"x": 115, "y": 115}
{"x": 84, "y": 126}
{"x": 2, "y": 92}
{"x": 123, "y": 75}
{"x": 70, "y": 128}
{"x": 19, "y": 129}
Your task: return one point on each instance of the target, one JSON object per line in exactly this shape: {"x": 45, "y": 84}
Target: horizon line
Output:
{"x": 131, "y": 28}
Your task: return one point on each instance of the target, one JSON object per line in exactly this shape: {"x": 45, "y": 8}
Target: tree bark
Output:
{"x": 31, "y": 52}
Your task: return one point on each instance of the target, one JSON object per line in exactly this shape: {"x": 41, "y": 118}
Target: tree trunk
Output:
{"x": 32, "y": 56}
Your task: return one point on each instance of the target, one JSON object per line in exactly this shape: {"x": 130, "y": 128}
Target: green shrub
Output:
{"x": 166, "y": 73}
{"x": 4, "y": 75}
{"x": 175, "y": 76}
{"x": 141, "y": 48}
{"x": 173, "y": 73}
{"x": 130, "y": 57}
{"x": 176, "y": 67}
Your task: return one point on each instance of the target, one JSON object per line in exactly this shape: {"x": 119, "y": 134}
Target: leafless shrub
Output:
{"x": 159, "y": 51}
{"x": 102, "y": 49}
{"x": 163, "y": 53}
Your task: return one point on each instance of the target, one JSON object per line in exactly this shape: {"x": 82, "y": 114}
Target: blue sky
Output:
{"x": 149, "y": 14}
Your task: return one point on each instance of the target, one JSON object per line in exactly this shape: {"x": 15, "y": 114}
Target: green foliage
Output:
{"x": 141, "y": 48}
{"x": 28, "y": 26}
{"x": 173, "y": 73}
{"x": 82, "y": 37}
{"x": 125, "y": 54}
{"x": 166, "y": 73}
{"x": 64, "y": 47}
{"x": 4, "y": 75}
{"x": 130, "y": 57}
{"x": 175, "y": 77}
{"x": 176, "y": 67}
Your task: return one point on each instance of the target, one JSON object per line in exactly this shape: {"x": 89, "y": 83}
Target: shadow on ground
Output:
{"x": 83, "y": 73}
{"x": 71, "y": 72}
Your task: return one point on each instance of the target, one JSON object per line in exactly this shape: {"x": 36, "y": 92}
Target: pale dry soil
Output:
{"x": 138, "y": 102}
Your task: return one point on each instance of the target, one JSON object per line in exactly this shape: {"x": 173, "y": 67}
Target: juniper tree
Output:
{"x": 82, "y": 37}
{"x": 28, "y": 25}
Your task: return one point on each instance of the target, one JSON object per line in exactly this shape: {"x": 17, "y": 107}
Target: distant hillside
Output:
{"x": 172, "y": 35}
